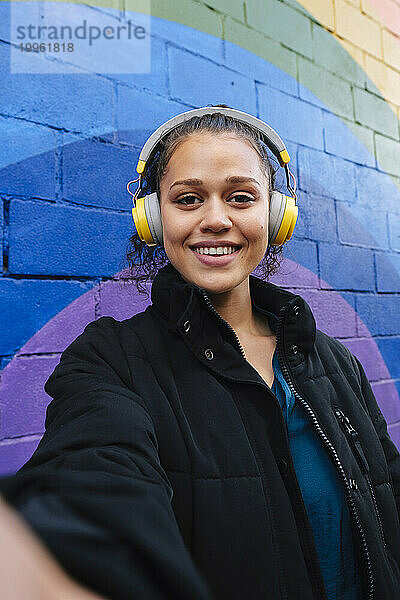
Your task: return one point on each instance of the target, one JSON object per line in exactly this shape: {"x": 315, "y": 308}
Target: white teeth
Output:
{"x": 214, "y": 250}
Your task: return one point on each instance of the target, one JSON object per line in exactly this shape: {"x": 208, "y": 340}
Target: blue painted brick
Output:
{"x": 387, "y": 272}
{"x": 394, "y": 231}
{"x": 390, "y": 350}
{"x": 189, "y": 38}
{"x": 96, "y": 174}
{"x": 26, "y": 305}
{"x": 304, "y": 253}
{"x": 341, "y": 141}
{"x": 257, "y": 68}
{"x": 319, "y": 214}
{"x": 198, "y": 82}
{"x": 27, "y": 159}
{"x": 322, "y": 219}
{"x": 61, "y": 100}
{"x": 156, "y": 79}
{"x": 376, "y": 189}
{"x": 5, "y": 29}
{"x": 380, "y": 313}
{"x": 326, "y": 175}
{"x": 293, "y": 119}
{"x": 1, "y": 233}
{"x": 302, "y": 229}
{"x": 138, "y": 115}
{"x": 346, "y": 268}
{"x": 51, "y": 239}
{"x": 362, "y": 227}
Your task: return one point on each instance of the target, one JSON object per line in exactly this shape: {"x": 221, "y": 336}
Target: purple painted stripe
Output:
{"x": 23, "y": 401}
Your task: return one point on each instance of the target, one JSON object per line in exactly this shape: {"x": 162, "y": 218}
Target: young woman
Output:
{"x": 216, "y": 445}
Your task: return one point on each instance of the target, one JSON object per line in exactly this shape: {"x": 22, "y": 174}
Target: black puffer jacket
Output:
{"x": 165, "y": 470}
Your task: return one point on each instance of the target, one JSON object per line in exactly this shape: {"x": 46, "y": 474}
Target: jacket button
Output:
{"x": 186, "y": 326}
{"x": 296, "y": 310}
{"x": 294, "y": 348}
{"x": 282, "y": 465}
{"x": 209, "y": 354}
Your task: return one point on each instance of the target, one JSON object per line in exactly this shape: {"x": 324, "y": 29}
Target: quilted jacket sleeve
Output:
{"x": 379, "y": 422}
{"x": 94, "y": 490}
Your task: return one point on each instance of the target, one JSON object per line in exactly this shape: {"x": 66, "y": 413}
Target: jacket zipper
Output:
{"x": 216, "y": 313}
{"x": 352, "y": 434}
{"x": 332, "y": 451}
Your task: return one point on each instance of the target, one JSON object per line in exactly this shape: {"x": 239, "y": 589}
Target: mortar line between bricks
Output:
{"x": 171, "y": 44}
{"x": 149, "y": 91}
{"x": 39, "y": 123}
{"x": 97, "y": 302}
{"x": 28, "y": 355}
{"x": 47, "y": 277}
{"x": 376, "y": 338}
{"x": 107, "y": 209}
{"x": 8, "y": 441}
{"x": 257, "y": 94}
{"x": 115, "y": 98}
{"x": 59, "y": 154}
{"x": 5, "y": 242}
{"x": 66, "y": 202}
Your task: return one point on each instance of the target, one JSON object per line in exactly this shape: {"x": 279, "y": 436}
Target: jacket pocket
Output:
{"x": 355, "y": 444}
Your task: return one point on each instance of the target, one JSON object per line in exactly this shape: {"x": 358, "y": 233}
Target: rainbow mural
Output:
{"x": 324, "y": 73}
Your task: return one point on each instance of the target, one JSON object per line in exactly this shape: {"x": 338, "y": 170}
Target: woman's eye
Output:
{"x": 182, "y": 200}
{"x": 244, "y": 198}
{"x": 185, "y": 200}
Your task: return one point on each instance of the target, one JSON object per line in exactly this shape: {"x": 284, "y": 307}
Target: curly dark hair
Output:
{"x": 144, "y": 261}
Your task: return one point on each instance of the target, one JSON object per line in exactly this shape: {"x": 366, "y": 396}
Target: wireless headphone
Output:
{"x": 283, "y": 210}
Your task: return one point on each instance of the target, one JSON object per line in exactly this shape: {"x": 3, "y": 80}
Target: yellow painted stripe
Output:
{"x": 362, "y": 33}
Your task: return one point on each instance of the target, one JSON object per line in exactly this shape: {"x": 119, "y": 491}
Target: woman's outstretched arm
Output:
{"x": 94, "y": 489}
{"x": 27, "y": 569}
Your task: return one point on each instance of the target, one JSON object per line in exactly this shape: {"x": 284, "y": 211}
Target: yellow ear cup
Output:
{"x": 140, "y": 220}
{"x": 288, "y": 222}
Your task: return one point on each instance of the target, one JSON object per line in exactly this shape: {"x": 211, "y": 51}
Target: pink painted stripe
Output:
{"x": 389, "y": 13}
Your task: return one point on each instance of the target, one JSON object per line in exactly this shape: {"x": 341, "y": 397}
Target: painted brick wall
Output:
{"x": 324, "y": 73}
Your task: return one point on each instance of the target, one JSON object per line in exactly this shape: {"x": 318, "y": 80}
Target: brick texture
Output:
{"x": 358, "y": 28}
{"x": 51, "y": 239}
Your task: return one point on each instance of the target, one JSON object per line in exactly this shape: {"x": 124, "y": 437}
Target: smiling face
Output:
{"x": 225, "y": 203}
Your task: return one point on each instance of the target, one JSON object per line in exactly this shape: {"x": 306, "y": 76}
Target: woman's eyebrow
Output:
{"x": 231, "y": 179}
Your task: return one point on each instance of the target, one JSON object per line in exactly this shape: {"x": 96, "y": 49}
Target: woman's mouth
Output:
{"x": 220, "y": 256}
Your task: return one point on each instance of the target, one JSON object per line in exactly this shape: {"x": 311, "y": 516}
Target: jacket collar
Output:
{"x": 179, "y": 301}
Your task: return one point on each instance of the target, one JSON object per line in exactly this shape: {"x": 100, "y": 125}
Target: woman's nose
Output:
{"x": 216, "y": 215}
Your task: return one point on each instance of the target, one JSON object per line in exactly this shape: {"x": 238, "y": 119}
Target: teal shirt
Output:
{"x": 322, "y": 491}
